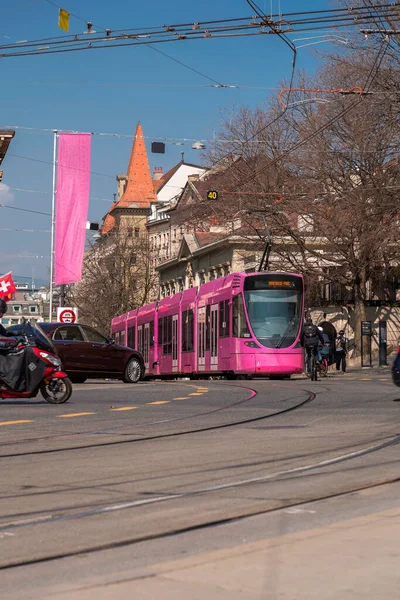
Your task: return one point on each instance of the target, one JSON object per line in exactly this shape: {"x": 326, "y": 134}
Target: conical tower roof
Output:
{"x": 139, "y": 191}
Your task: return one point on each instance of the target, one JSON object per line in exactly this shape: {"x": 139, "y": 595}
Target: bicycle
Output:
{"x": 323, "y": 367}
{"x": 312, "y": 365}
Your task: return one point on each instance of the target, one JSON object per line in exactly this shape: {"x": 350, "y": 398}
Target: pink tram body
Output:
{"x": 242, "y": 324}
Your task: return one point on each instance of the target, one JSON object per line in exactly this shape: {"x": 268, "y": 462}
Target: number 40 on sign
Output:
{"x": 212, "y": 195}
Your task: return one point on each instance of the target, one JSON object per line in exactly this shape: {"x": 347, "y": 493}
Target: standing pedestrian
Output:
{"x": 341, "y": 351}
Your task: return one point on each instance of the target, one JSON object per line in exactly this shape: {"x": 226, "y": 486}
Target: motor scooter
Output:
{"x": 29, "y": 364}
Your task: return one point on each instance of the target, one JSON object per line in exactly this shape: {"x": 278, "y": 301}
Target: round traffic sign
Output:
{"x": 67, "y": 316}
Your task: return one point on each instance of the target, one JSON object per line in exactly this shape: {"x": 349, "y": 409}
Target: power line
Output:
{"x": 187, "y": 66}
{"x": 281, "y": 25}
{"x": 35, "y": 212}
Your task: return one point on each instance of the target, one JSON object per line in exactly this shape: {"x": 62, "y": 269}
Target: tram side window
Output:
{"x": 131, "y": 337}
{"x": 224, "y": 318}
{"x": 190, "y": 330}
{"x": 167, "y": 335}
{"x": 239, "y": 324}
{"x": 208, "y": 326}
{"x": 187, "y": 331}
{"x": 184, "y": 331}
{"x": 160, "y": 331}
{"x": 123, "y": 338}
{"x": 151, "y": 334}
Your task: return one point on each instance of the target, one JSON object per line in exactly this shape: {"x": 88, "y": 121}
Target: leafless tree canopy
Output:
{"x": 117, "y": 277}
{"x": 326, "y": 172}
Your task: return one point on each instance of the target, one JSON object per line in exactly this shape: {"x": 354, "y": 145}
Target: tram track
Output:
{"x": 116, "y": 431}
{"x": 234, "y": 516}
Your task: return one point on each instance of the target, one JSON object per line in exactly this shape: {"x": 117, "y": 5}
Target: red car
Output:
{"x": 85, "y": 353}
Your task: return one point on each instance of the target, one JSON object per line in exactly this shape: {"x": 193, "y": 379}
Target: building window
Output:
{"x": 33, "y": 309}
{"x": 17, "y": 308}
{"x": 137, "y": 231}
{"x": 129, "y": 232}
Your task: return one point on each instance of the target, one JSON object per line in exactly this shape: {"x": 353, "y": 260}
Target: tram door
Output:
{"x": 175, "y": 342}
{"x": 140, "y": 338}
{"x": 214, "y": 337}
{"x": 146, "y": 343}
{"x": 201, "y": 338}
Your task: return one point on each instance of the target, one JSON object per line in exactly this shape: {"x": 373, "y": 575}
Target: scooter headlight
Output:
{"x": 56, "y": 362}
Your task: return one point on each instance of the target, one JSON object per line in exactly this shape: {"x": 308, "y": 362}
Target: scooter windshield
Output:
{"x": 35, "y": 333}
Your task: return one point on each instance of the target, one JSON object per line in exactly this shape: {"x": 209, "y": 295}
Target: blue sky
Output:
{"x": 110, "y": 91}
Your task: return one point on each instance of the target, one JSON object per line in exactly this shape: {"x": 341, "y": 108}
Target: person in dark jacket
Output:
{"x": 3, "y": 310}
{"x": 311, "y": 337}
{"x": 341, "y": 351}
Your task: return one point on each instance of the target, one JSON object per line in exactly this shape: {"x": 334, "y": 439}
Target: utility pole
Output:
{"x": 53, "y": 208}
{"x": 62, "y": 295}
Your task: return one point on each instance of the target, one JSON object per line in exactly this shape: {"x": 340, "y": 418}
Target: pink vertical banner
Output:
{"x": 72, "y": 203}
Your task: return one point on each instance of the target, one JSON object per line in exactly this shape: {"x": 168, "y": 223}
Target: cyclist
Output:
{"x": 311, "y": 337}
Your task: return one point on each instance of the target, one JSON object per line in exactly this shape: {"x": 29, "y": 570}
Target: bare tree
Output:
{"x": 332, "y": 162}
{"x": 118, "y": 276}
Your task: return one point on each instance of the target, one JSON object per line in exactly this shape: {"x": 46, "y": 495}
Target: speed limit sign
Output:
{"x": 67, "y": 314}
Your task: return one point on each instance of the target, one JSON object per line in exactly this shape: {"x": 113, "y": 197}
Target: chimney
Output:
{"x": 157, "y": 173}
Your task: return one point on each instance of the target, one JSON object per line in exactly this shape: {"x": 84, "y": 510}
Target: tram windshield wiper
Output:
{"x": 287, "y": 331}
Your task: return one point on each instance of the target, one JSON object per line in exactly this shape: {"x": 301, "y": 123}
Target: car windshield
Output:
{"x": 274, "y": 316}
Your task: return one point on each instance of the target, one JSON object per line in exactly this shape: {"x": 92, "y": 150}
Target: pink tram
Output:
{"x": 238, "y": 325}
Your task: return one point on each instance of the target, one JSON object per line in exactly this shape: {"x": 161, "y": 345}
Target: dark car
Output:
{"x": 85, "y": 353}
{"x": 396, "y": 368}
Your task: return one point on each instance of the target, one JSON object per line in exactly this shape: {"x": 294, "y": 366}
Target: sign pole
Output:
{"x": 53, "y": 208}
{"x": 382, "y": 343}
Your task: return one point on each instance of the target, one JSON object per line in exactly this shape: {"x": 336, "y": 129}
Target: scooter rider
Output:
{"x": 3, "y": 310}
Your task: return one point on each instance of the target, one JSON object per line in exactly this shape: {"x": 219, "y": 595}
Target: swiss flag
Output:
{"x": 7, "y": 287}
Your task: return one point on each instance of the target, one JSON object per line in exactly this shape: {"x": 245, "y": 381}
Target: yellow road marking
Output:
{"x": 125, "y": 408}
{"x": 14, "y": 422}
{"x": 159, "y": 402}
{"x": 384, "y": 379}
{"x": 365, "y": 379}
{"x": 196, "y": 394}
{"x": 186, "y": 398}
{"x": 200, "y": 389}
{"x": 70, "y": 415}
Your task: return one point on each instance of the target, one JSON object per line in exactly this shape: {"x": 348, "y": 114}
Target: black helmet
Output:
{"x": 3, "y": 306}
{"x": 341, "y": 332}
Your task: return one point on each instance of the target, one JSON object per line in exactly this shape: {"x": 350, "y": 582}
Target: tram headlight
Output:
{"x": 252, "y": 345}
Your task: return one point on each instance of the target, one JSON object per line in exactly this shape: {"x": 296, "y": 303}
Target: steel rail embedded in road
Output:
{"x": 199, "y": 526}
{"x": 311, "y": 396}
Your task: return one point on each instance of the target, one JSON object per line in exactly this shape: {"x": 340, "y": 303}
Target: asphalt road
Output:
{"x": 125, "y": 476}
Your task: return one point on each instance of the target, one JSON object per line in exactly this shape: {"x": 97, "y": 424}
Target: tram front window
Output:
{"x": 274, "y": 316}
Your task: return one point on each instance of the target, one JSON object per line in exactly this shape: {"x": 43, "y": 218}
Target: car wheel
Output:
{"x": 133, "y": 371}
{"x": 78, "y": 379}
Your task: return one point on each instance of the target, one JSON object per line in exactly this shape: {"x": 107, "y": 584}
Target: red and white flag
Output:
{"x": 7, "y": 287}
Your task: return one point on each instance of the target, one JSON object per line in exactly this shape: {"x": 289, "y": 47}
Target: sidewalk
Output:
{"x": 355, "y": 558}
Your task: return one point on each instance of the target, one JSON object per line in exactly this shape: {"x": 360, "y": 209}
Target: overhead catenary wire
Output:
{"x": 219, "y": 28}
{"x": 369, "y": 80}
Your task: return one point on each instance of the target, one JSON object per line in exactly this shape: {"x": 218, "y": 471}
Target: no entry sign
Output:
{"x": 67, "y": 314}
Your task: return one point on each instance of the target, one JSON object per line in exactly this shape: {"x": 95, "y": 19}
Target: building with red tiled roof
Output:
{"x": 136, "y": 191}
